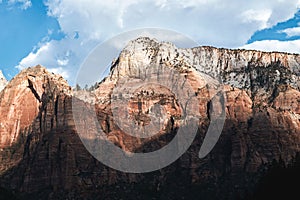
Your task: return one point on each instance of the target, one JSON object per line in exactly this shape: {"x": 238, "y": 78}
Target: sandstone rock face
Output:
{"x": 42, "y": 155}
{"x": 3, "y": 81}
{"x": 23, "y": 111}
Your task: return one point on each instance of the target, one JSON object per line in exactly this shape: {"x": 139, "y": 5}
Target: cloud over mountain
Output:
{"x": 86, "y": 23}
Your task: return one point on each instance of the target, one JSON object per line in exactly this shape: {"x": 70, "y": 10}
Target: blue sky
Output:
{"x": 275, "y": 32}
{"x": 22, "y": 30}
{"x": 59, "y": 34}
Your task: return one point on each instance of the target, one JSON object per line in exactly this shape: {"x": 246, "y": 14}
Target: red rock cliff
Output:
{"x": 41, "y": 153}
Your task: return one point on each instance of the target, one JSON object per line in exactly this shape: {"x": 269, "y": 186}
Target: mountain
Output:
{"x": 43, "y": 157}
{"x": 3, "y": 81}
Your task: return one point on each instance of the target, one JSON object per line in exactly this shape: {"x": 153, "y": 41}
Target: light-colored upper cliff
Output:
{"x": 238, "y": 68}
{"x": 3, "y": 81}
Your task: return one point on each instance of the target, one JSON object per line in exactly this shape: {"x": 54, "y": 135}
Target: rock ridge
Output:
{"x": 41, "y": 153}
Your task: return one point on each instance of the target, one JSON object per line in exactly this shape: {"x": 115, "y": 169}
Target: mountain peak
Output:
{"x": 23, "y": 98}
{"x": 235, "y": 67}
{"x": 144, "y": 43}
{"x": 41, "y": 153}
{"x": 143, "y": 40}
{"x": 41, "y": 74}
{"x": 37, "y": 70}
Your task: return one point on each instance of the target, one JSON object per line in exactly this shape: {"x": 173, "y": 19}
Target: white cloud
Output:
{"x": 33, "y": 57}
{"x": 59, "y": 70}
{"x": 275, "y": 45}
{"x": 23, "y": 4}
{"x": 217, "y": 22}
{"x": 57, "y": 62}
{"x": 290, "y": 32}
{"x": 178, "y": 39}
{"x": 221, "y": 23}
{"x": 63, "y": 62}
{"x": 260, "y": 16}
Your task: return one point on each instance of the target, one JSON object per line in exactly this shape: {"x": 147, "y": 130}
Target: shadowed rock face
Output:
{"x": 41, "y": 153}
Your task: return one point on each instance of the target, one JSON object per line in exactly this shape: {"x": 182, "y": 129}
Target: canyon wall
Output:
{"x": 42, "y": 155}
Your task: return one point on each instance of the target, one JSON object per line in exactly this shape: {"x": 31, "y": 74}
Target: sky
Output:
{"x": 60, "y": 34}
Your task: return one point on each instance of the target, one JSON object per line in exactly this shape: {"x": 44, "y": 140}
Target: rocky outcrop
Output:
{"x": 24, "y": 114}
{"x": 3, "y": 81}
{"x": 41, "y": 153}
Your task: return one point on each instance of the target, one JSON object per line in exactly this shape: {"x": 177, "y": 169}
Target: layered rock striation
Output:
{"x": 42, "y": 154}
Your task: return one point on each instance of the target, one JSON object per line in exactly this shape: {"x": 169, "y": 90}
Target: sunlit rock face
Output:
{"x": 42, "y": 154}
{"x": 3, "y": 81}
